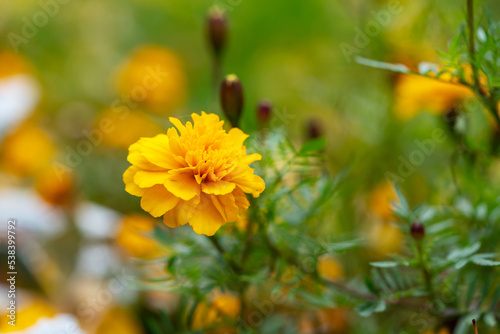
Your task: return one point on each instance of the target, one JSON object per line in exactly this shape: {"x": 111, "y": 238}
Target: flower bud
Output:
{"x": 417, "y": 230}
{"x": 264, "y": 110}
{"x": 231, "y": 98}
{"x": 314, "y": 129}
{"x": 217, "y": 30}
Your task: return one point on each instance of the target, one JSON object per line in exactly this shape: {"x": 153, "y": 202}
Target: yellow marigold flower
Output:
{"x": 153, "y": 77}
{"x": 133, "y": 236}
{"x": 417, "y": 93}
{"x": 27, "y": 150}
{"x": 380, "y": 200}
{"x": 385, "y": 238}
{"x": 11, "y": 64}
{"x": 119, "y": 320}
{"x": 227, "y": 304}
{"x": 27, "y": 315}
{"x": 54, "y": 188}
{"x": 199, "y": 175}
{"x": 125, "y": 130}
{"x": 329, "y": 268}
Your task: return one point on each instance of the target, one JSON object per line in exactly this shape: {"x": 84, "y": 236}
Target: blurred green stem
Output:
{"x": 233, "y": 265}
{"x": 425, "y": 270}
{"x": 488, "y": 101}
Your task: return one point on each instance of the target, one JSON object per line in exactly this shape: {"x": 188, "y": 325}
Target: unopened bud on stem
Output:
{"x": 217, "y": 30}
{"x": 264, "y": 111}
{"x": 417, "y": 230}
{"x": 231, "y": 98}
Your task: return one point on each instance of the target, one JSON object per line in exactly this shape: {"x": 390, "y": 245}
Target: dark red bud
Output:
{"x": 417, "y": 230}
{"x": 314, "y": 129}
{"x": 264, "y": 111}
{"x": 217, "y": 30}
{"x": 231, "y": 98}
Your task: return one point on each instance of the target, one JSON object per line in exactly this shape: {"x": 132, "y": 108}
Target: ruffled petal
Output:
{"x": 206, "y": 218}
{"x": 128, "y": 179}
{"x": 158, "y": 200}
{"x": 181, "y": 214}
{"x": 217, "y": 187}
{"x": 146, "y": 179}
{"x": 226, "y": 205}
{"x": 182, "y": 184}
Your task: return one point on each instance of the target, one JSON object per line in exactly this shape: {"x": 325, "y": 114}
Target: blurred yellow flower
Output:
{"x": 333, "y": 320}
{"x": 153, "y": 76}
{"x": 133, "y": 236}
{"x": 227, "y": 304}
{"x": 119, "y": 320}
{"x": 210, "y": 314}
{"x": 385, "y": 238}
{"x": 127, "y": 129}
{"x": 27, "y": 315}
{"x": 415, "y": 93}
{"x": 329, "y": 268}
{"x": 54, "y": 188}
{"x": 380, "y": 200}
{"x": 200, "y": 176}
{"x": 26, "y": 150}
{"x": 12, "y": 63}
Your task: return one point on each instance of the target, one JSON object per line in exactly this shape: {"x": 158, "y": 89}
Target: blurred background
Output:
{"x": 73, "y": 98}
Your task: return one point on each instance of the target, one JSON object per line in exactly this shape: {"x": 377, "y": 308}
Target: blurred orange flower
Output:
{"x": 200, "y": 176}
{"x": 384, "y": 238}
{"x": 329, "y": 268}
{"x": 380, "y": 200}
{"x": 27, "y": 315}
{"x": 416, "y": 93}
{"x": 125, "y": 130}
{"x": 133, "y": 236}
{"x": 54, "y": 188}
{"x": 26, "y": 150}
{"x": 153, "y": 76}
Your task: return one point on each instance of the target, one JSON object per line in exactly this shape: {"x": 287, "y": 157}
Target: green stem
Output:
{"x": 425, "y": 271}
{"x": 233, "y": 265}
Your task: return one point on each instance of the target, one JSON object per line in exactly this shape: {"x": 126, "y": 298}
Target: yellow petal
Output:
{"x": 206, "y": 218}
{"x": 251, "y": 184}
{"x": 248, "y": 159}
{"x": 181, "y": 214}
{"x": 146, "y": 179}
{"x": 157, "y": 151}
{"x": 130, "y": 186}
{"x": 157, "y": 200}
{"x": 226, "y": 205}
{"x": 241, "y": 199}
{"x": 136, "y": 158}
{"x": 237, "y": 137}
{"x": 182, "y": 184}
{"x": 217, "y": 187}
{"x": 178, "y": 124}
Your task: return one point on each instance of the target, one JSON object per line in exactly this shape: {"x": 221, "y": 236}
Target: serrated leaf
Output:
{"x": 368, "y": 308}
{"x": 485, "y": 262}
{"x": 384, "y": 264}
{"x": 464, "y": 252}
{"x": 398, "y": 68}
